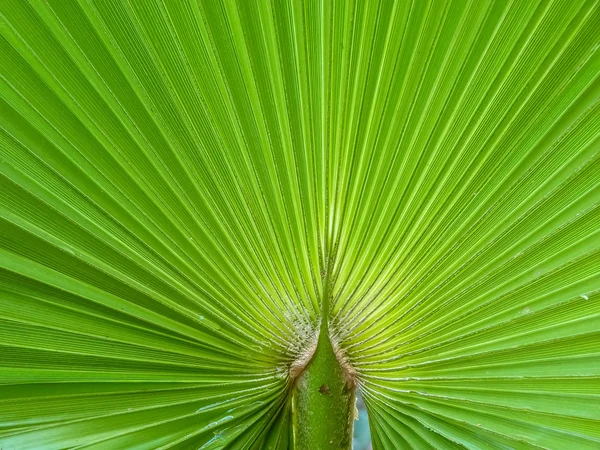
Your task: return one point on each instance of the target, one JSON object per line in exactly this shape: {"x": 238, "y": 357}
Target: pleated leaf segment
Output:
{"x": 219, "y": 219}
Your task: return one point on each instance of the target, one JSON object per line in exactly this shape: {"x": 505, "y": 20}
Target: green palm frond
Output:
{"x": 178, "y": 178}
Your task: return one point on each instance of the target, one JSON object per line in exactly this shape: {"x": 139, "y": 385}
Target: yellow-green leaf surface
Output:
{"x": 178, "y": 177}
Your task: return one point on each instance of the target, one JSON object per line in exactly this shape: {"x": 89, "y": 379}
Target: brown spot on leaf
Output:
{"x": 324, "y": 390}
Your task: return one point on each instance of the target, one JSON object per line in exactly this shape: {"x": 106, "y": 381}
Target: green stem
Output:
{"x": 324, "y": 396}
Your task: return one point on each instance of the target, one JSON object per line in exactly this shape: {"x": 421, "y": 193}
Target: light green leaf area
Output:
{"x": 178, "y": 177}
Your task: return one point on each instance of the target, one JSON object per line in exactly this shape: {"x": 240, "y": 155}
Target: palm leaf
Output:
{"x": 178, "y": 177}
